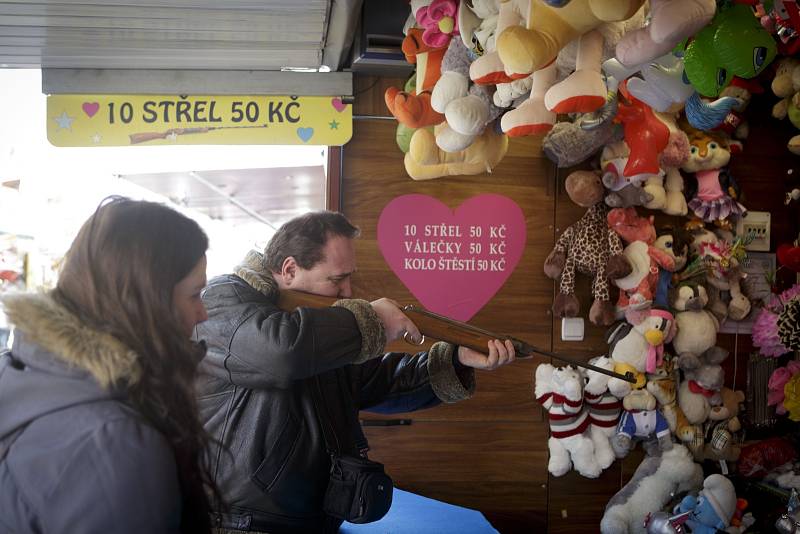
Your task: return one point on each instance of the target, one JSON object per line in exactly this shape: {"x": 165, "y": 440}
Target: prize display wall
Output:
{"x": 490, "y": 453}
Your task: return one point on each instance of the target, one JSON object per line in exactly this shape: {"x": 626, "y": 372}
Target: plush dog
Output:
{"x": 560, "y": 392}
{"x": 604, "y": 409}
{"x": 652, "y": 486}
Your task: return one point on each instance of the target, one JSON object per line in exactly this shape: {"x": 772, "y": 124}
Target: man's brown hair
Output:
{"x": 304, "y": 237}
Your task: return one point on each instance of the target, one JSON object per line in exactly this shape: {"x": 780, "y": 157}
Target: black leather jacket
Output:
{"x": 255, "y": 399}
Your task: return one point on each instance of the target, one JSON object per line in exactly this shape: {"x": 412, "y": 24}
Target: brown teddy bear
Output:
{"x": 590, "y": 247}
{"x": 723, "y": 422}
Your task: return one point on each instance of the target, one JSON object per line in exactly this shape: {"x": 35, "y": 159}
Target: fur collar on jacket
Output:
{"x": 51, "y": 326}
{"x": 252, "y": 271}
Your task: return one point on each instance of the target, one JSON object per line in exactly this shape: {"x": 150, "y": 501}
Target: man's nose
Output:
{"x": 345, "y": 290}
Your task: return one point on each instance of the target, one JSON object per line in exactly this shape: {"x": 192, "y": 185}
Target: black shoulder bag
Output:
{"x": 359, "y": 490}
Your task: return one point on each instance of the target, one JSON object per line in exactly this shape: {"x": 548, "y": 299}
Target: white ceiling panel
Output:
{"x": 166, "y": 34}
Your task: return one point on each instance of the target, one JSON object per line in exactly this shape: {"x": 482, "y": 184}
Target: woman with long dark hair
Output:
{"x": 98, "y": 420}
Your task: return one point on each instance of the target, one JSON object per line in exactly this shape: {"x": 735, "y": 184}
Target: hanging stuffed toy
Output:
{"x": 734, "y": 44}
{"x": 414, "y": 108}
{"x": 776, "y": 329}
{"x": 560, "y": 392}
{"x": 713, "y": 509}
{"x": 588, "y": 247}
{"x": 645, "y": 133}
{"x": 467, "y": 110}
{"x": 713, "y": 193}
{"x": 641, "y": 421}
{"x": 604, "y": 409}
{"x": 671, "y": 21}
{"x": 438, "y": 21}
{"x": 424, "y": 160}
{"x": 638, "y": 288}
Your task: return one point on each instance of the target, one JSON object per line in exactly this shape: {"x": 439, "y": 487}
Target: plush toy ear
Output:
{"x": 716, "y": 355}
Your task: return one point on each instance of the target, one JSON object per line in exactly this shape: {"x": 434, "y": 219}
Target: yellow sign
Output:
{"x": 119, "y": 120}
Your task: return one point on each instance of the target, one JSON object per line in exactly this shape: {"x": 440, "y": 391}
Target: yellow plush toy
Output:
{"x": 425, "y": 160}
{"x": 546, "y": 29}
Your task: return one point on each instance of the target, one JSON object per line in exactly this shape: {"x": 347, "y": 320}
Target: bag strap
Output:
{"x": 337, "y": 414}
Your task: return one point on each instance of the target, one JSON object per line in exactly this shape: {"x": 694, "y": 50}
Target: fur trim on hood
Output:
{"x": 50, "y": 325}
{"x": 252, "y": 271}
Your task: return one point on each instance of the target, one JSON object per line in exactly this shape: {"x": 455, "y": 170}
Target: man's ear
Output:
{"x": 288, "y": 270}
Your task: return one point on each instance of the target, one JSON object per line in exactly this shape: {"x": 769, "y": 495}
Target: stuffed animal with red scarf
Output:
{"x": 638, "y": 288}
{"x": 560, "y": 392}
{"x": 604, "y": 409}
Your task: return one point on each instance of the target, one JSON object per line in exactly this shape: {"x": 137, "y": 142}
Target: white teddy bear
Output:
{"x": 560, "y": 391}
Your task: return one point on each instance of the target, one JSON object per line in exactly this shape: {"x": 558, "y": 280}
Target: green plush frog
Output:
{"x": 734, "y": 44}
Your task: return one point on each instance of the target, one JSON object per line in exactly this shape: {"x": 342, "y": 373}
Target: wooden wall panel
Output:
{"x": 490, "y": 452}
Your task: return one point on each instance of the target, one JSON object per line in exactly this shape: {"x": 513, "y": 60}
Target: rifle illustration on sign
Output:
{"x": 443, "y": 328}
{"x": 144, "y": 137}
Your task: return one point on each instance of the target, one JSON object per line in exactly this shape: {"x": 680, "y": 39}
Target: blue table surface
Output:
{"x": 412, "y": 513}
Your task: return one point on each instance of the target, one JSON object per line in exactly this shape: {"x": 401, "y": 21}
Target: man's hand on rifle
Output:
{"x": 500, "y": 353}
{"x": 395, "y": 322}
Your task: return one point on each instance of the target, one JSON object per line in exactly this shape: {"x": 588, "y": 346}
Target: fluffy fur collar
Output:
{"x": 252, "y": 271}
{"x": 51, "y": 326}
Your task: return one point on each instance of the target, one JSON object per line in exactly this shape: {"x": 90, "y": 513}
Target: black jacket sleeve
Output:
{"x": 401, "y": 382}
{"x": 254, "y": 344}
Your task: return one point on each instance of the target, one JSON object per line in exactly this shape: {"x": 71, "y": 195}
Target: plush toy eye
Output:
{"x": 713, "y": 146}
{"x": 668, "y": 244}
{"x": 722, "y": 76}
{"x": 759, "y": 56}
{"x": 694, "y": 150}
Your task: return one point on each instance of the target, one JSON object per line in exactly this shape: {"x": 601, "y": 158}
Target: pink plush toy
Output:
{"x": 639, "y": 287}
{"x": 439, "y": 22}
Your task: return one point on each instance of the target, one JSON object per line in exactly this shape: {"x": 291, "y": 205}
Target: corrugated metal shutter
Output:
{"x": 163, "y": 34}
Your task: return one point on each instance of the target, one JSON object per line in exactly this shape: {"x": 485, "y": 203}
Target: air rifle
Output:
{"x": 144, "y": 137}
{"x": 439, "y": 327}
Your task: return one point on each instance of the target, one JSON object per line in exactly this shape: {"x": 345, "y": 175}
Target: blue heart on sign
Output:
{"x": 305, "y": 134}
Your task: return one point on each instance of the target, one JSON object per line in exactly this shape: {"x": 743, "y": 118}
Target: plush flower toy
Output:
{"x": 776, "y": 329}
{"x": 784, "y": 390}
{"x": 439, "y": 22}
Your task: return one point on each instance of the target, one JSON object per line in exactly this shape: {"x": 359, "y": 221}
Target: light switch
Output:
{"x": 572, "y": 329}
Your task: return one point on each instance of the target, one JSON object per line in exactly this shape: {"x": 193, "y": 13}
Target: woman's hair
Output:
{"x": 118, "y": 277}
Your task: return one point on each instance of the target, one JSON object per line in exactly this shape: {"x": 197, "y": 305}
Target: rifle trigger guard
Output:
{"x": 410, "y": 340}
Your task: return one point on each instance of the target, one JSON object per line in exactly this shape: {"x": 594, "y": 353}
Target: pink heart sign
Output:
{"x": 338, "y": 105}
{"x": 452, "y": 261}
{"x": 90, "y": 108}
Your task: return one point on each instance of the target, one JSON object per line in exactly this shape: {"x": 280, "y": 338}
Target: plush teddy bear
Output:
{"x": 560, "y": 392}
{"x": 703, "y": 379}
{"x": 650, "y": 488}
{"x": 639, "y": 287}
{"x": 467, "y": 109}
{"x": 723, "y": 422}
{"x": 589, "y": 247}
{"x": 641, "y": 421}
{"x": 604, "y": 409}
{"x": 424, "y": 160}
{"x": 786, "y": 86}
{"x": 712, "y": 510}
